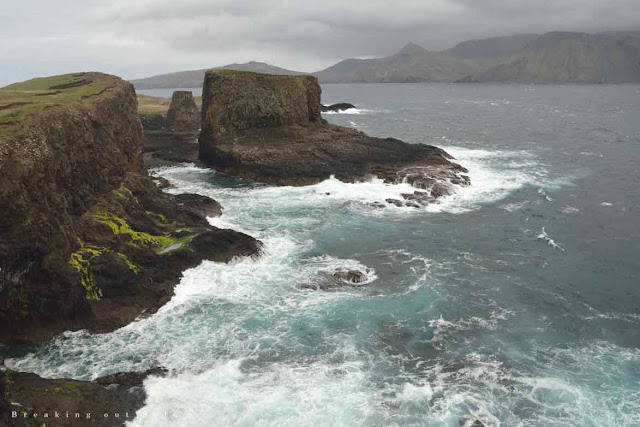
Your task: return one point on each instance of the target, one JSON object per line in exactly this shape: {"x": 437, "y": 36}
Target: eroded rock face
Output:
{"x": 183, "y": 115}
{"x": 86, "y": 241}
{"x": 269, "y": 129}
{"x": 235, "y": 101}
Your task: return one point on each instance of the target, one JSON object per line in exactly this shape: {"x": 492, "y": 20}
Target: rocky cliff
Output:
{"x": 269, "y": 129}
{"x": 86, "y": 241}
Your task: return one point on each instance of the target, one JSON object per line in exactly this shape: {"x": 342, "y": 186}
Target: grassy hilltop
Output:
{"x": 19, "y": 101}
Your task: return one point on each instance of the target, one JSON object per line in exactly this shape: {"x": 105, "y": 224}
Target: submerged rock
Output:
{"x": 183, "y": 115}
{"x": 338, "y": 279}
{"x": 341, "y": 106}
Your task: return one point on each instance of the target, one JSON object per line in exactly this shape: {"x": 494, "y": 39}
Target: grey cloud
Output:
{"x": 137, "y": 39}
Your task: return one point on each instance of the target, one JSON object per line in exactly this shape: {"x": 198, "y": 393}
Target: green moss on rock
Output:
{"x": 139, "y": 239}
{"x": 81, "y": 260}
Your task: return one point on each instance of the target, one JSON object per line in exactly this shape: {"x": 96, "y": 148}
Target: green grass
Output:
{"x": 20, "y": 101}
{"x": 151, "y": 105}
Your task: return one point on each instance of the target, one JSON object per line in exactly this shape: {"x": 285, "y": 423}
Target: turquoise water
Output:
{"x": 515, "y": 301}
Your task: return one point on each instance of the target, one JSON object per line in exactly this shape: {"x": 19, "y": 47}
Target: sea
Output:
{"x": 514, "y": 301}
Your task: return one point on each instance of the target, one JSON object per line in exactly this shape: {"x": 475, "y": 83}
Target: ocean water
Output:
{"x": 515, "y": 301}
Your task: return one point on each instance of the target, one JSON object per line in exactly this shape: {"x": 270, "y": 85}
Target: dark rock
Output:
{"x": 338, "y": 279}
{"x": 120, "y": 394}
{"x": 162, "y": 183}
{"x": 183, "y": 115}
{"x": 162, "y": 148}
{"x": 351, "y": 276}
{"x": 200, "y": 206}
{"x": 341, "y": 106}
{"x": 255, "y": 126}
{"x": 153, "y": 121}
{"x": 395, "y": 202}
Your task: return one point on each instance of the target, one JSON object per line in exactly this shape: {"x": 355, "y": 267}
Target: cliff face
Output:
{"x": 269, "y": 129}
{"x": 233, "y": 101}
{"x": 85, "y": 240}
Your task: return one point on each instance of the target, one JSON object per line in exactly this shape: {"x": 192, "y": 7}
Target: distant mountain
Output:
{"x": 411, "y": 64}
{"x": 556, "y": 57}
{"x": 185, "y": 79}
{"x": 563, "y": 57}
{"x": 491, "y": 49}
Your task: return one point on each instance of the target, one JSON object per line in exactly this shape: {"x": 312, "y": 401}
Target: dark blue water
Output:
{"x": 515, "y": 301}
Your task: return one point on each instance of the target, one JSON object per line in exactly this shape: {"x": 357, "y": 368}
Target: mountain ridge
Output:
{"x": 553, "y": 57}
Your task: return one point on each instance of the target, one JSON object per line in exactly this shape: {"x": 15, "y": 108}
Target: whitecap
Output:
{"x": 544, "y": 236}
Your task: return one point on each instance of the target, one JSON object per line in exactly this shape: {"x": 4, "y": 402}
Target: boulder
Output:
{"x": 183, "y": 115}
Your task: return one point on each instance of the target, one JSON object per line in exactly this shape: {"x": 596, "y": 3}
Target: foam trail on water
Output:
{"x": 544, "y": 236}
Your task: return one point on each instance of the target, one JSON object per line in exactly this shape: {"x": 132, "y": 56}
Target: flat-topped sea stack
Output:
{"x": 86, "y": 239}
{"x": 269, "y": 129}
{"x": 183, "y": 115}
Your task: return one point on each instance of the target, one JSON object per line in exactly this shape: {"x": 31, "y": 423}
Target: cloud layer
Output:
{"x": 147, "y": 37}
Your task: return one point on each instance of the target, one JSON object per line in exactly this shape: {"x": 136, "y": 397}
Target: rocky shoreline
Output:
{"x": 91, "y": 241}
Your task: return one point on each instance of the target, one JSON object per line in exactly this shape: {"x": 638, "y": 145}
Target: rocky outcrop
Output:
{"x": 269, "y": 129}
{"x": 341, "y": 106}
{"x": 183, "y": 115}
{"x": 234, "y": 101}
{"x": 86, "y": 241}
{"x": 27, "y": 399}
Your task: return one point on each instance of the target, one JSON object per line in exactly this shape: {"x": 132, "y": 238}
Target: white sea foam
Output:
{"x": 351, "y": 111}
{"x": 569, "y": 209}
{"x": 544, "y": 236}
{"x": 490, "y": 181}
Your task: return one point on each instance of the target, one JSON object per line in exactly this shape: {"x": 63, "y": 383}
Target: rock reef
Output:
{"x": 87, "y": 241}
{"x": 269, "y": 129}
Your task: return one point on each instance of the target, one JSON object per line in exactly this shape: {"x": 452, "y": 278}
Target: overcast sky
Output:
{"x": 139, "y": 38}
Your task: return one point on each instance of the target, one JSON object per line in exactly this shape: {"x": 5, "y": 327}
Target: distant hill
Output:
{"x": 491, "y": 49}
{"x": 563, "y": 57}
{"x": 196, "y": 77}
{"x": 411, "y": 64}
{"x": 556, "y": 57}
